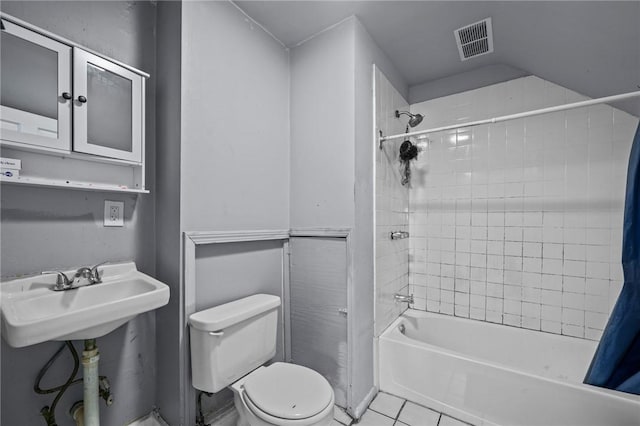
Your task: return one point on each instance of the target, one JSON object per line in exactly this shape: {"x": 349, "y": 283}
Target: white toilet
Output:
{"x": 229, "y": 344}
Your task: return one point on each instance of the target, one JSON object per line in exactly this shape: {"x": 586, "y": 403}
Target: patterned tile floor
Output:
{"x": 385, "y": 410}
{"x": 390, "y": 410}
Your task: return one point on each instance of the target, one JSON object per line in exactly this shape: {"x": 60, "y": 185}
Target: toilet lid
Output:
{"x": 288, "y": 391}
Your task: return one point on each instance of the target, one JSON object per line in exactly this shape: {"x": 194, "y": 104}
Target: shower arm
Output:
{"x": 512, "y": 116}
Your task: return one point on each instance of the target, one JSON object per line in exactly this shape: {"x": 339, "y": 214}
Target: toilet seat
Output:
{"x": 288, "y": 394}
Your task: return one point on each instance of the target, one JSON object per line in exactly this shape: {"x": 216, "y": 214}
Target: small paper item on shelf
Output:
{"x": 10, "y": 163}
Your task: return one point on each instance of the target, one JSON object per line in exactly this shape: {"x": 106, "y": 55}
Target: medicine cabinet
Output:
{"x": 35, "y": 73}
{"x": 72, "y": 117}
{"x": 107, "y": 108}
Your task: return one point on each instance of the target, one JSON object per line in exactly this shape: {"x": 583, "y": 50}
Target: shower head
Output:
{"x": 414, "y": 120}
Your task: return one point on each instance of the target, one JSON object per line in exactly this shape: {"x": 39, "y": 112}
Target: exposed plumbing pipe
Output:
{"x": 49, "y": 413}
{"x": 200, "y": 415}
{"x": 90, "y": 358}
{"x": 77, "y": 412}
{"x": 105, "y": 391}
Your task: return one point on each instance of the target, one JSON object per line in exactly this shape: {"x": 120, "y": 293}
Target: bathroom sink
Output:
{"x": 33, "y": 313}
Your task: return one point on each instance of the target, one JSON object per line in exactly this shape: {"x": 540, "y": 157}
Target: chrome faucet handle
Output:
{"x": 96, "y": 275}
{"x": 62, "y": 281}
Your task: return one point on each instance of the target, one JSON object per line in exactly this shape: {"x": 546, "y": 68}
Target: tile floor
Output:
{"x": 390, "y": 410}
{"x": 385, "y": 410}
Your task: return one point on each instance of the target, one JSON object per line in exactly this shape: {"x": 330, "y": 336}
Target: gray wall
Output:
{"x": 318, "y": 291}
{"x": 457, "y": 83}
{"x": 322, "y": 130}
{"x": 322, "y": 194}
{"x": 231, "y": 271}
{"x": 235, "y": 139}
{"x": 332, "y": 146}
{"x": 168, "y": 254}
{"x": 367, "y": 53}
{"x": 226, "y": 155}
{"x": 57, "y": 228}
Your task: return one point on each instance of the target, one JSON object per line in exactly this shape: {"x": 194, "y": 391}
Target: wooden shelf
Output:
{"x": 52, "y": 183}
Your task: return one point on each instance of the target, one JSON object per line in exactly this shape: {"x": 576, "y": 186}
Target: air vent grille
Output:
{"x": 475, "y": 39}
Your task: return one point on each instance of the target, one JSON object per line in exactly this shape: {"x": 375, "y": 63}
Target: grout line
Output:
{"x": 400, "y": 410}
{"x": 338, "y": 421}
{"x": 382, "y": 414}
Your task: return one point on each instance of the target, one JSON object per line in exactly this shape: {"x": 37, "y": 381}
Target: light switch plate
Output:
{"x": 113, "y": 213}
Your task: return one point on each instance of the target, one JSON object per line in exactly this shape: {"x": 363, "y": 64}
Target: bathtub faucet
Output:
{"x": 408, "y": 298}
{"x": 399, "y": 235}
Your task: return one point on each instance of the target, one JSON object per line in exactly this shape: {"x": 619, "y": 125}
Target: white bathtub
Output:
{"x": 490, "y": 374}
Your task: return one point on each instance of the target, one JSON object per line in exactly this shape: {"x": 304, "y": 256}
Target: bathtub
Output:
{"x": 490, "y": 374}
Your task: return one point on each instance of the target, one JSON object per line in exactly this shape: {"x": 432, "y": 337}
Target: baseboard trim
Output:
{"x": 152, "y": 419}
{"x": 360, "y": 409}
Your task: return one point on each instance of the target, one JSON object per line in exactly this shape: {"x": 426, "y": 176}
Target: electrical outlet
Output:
{"x": 113, "y": 213}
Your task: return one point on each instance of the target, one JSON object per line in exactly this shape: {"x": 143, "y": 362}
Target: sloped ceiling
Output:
{"x": 590, "y": 47}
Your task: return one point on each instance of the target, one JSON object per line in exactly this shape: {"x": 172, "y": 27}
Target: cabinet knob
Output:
{"x": 82, "y": 99}
{"x": 66, "y": 95}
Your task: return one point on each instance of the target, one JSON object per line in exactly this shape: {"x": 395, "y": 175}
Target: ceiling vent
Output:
{"x": 475, "y": 39}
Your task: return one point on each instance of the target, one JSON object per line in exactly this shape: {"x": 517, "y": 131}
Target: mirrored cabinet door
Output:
{"x": 35, "y": 89}
{"x": 107, "y": 108}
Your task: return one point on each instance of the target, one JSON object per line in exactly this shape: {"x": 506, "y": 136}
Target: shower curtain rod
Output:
{"x": 514, "y": 116}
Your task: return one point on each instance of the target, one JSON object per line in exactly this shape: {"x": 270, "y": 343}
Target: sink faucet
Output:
{"x": 87, "y": 276}
{"x": 83, "y": 276}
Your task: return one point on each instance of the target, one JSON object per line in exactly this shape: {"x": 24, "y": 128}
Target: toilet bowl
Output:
{"x": 230, "y": 344}
{"x": 284, "y": 395}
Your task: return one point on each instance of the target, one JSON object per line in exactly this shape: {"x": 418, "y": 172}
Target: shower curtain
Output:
{"x": 616, "y": 363}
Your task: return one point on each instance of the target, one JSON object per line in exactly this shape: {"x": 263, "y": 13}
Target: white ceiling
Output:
{"x": 587, "y": 46}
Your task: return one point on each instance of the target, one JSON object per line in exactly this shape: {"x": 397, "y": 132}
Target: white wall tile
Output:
{"x": 552, "y": 251}
{"x": 511, "y": 221}
{"x": 392, "y": 203}
{"x": 573, "y": 316}
{"x": 592, "y": 334}
{"x": 551, "y": 282}
{"x": 552, "y": 266}
{"x": 573, "y": 330}
{"x": 551, "y": 298}
{"x": 573, "y": 301}
{"x": 574, "y": 284}
{"x": 532, "y": 249}
{"x": 551, "y": 326}
{"x": 551, "y": 313}
{"x": 532, "y": 235}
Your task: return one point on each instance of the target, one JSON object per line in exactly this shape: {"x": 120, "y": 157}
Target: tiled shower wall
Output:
{"x": 392, "y": 203}
{"x": 520, "y": 222}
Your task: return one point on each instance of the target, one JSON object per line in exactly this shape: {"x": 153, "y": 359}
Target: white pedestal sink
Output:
{"x": 33, "y": 313}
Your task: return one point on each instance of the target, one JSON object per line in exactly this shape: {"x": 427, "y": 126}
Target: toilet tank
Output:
{"x": 229, "y": 341}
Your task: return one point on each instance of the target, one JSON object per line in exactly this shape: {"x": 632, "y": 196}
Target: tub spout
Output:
{"x": 399, "y": 235}
{"x": 407, "y": 298}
